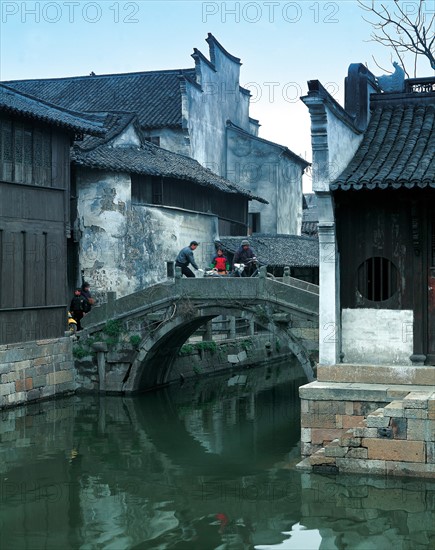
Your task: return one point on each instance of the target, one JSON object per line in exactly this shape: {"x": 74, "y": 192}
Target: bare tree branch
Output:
{"x": 403, "y": 31}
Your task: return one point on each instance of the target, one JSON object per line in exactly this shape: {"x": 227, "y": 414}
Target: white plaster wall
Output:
{"x": 342, "y": 145}
{"x": 289, "y": 204}
{"x": 128, "y": 138}
{"x": 261, "y": 167}
{"x": 172, "y": 139}
{"x": 377, "y": 336}
{"x": 334, "y": 144}
{"x": 208, "y": 110}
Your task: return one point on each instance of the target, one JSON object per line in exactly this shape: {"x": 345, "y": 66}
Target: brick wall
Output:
{"x": 31, "y": 371}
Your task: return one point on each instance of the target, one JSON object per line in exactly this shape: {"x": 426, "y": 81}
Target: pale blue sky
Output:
{"x": 281, "y": 46}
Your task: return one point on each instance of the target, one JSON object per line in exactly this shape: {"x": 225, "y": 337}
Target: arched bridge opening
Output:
{"x": 163, "y": 317}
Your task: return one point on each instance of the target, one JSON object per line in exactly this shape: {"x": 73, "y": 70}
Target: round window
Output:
{"x": 377, "y": 279}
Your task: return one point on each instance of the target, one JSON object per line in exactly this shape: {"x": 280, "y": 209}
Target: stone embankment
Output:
{"x": 36, "y": 370}
{"x": 384, "y": 428}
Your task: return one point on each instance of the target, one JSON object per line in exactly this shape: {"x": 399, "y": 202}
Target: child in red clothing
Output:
{"x": 220, "y": 263}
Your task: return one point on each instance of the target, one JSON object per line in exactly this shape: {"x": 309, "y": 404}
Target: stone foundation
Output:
{"x": 32, "y": 371}
{"x": 200, "y": 358}
{"x": 375, "y": 420}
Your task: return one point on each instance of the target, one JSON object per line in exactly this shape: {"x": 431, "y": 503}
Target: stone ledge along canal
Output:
{"x": 205, "y": 465}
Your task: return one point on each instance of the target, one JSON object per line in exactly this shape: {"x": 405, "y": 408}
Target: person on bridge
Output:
{"x": 245, "y": 255}
{"x": 220, "y": 262}
{"x": 185, "y": 258}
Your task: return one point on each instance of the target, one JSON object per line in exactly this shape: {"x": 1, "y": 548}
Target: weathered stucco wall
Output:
{"x": 377, "y": 336}
{"x": 261, "y": 167}
{"x": 125, "y": 247}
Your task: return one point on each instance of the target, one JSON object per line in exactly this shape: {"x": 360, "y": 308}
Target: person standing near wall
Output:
{"x": 76, "y": 307}
{"x": 88, "y": 300}
{"x": 185, "y": 258}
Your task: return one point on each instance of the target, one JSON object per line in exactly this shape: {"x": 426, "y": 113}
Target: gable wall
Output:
{"x": 261, "y": 167}
{"x": 209, "y": 108}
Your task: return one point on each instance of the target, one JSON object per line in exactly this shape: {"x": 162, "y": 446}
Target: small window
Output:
{"x": 254, "y": 222}
{"x": 377, "y": 279}
{"x": 157, "y": 186}
{"x": 155, "y": 140}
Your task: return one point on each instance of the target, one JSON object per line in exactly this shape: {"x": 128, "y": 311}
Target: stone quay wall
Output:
{"x": 32, "y": 371}
{"x": 383, "y": 424}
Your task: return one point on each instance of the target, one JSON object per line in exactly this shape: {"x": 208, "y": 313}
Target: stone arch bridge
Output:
{"x": 156, "y": 321}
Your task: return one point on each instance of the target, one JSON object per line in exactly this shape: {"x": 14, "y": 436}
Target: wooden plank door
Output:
{"x": 431, "y": 291}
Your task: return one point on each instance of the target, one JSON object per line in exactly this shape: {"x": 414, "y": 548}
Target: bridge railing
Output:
{"x": 227, "y": 291}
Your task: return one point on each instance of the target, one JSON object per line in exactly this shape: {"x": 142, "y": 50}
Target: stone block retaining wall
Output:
{"x": 368, "y": 428}
{"x": 31, "y": 371}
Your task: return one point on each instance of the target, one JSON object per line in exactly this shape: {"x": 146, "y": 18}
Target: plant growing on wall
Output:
{"x": 186, "y": 349}
{"x": 135, "y": 340}
{"x": 207, "y": 346}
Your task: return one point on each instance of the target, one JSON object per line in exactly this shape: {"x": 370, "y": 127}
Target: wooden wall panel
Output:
{"x": 374, "y": 224}
{"x": 32, "y": 324}
{"x": 34, "y": 215}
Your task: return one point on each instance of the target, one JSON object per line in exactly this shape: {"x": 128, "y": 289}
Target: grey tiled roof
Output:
{"x": 26, "y": 106}
{"x": 155, "y": 95}
{"x": 398, "y": 150}
{"x": 154, "y": 161}
{"x": 114, "y": 124}
{"x": 279, "y": 250}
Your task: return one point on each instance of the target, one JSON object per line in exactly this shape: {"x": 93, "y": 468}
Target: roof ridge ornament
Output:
{"x": 394, "y": 82}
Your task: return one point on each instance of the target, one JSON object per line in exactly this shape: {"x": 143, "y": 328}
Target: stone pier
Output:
{"x": 371, "y": 419}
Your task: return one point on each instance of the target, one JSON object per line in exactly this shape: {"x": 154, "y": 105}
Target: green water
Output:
{"x": 206, "y": 465}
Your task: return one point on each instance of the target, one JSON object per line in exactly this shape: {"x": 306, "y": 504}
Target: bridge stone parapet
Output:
{"x": 159, "y": 319}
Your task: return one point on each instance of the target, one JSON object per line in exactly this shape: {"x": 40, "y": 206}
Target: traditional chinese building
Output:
{"x": 372, "y": 407}
{"x": 374, "y": 180}
{"x": 137, "y": 204}
{"x": 201, "y": 112}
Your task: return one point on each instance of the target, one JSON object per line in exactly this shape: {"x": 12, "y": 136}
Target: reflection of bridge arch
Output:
{"x": 187, "y": 304}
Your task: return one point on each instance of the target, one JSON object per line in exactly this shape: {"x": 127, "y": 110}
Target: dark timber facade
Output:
{"x": 35, "y": 142}
{"x": 387, "y": 197}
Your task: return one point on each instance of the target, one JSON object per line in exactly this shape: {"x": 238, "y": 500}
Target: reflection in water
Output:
{"x": 209, "y": 465}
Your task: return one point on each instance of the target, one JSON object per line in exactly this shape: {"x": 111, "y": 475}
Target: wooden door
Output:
{"x": 431, "y": 291}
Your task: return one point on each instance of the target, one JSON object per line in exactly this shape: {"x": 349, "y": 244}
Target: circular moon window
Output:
{"x": 377, "y": 279}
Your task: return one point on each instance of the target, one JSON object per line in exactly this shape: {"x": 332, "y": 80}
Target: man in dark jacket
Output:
{"x": 76, "y": 307}
{"x": 185, "y": 258}
{"x": 244, "y": 255}
{"x": 88, "y": 300}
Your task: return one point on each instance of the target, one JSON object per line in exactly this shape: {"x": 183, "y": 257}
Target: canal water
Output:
{"x": 209, "y": 465}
